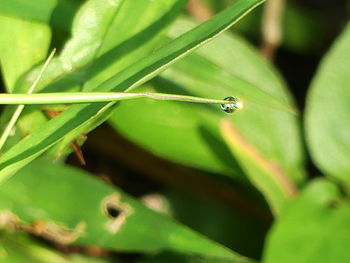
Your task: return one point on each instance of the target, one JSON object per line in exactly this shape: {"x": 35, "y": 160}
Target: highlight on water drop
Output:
{"x": 233, "y": 105}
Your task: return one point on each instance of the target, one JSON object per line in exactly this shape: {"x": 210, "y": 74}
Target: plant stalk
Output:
{"x": 20, "y": 107}
{"x": 90, "y": 97}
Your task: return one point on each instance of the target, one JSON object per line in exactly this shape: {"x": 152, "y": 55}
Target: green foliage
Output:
{"x": 17, "y": 248}
{"x": 327, "y": 122}
{"x": 172, "y": 257}
{"x": 212, "y": 72}
{"x": 80, "y": 118}
{"x": 23, "y": 36}
{"x": 252, "y": 160}
{"x": 316, "y": 225}
{"x": 84, "y": 219}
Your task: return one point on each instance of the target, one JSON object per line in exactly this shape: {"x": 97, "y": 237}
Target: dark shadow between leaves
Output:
{"x": 47, "y": 138}
{"x": 63, "y": 14}
{"x": 66, "y": 10}
{"x": 221, "y": 151}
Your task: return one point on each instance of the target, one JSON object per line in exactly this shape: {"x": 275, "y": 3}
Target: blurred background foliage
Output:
{"x": 175, "y": 158}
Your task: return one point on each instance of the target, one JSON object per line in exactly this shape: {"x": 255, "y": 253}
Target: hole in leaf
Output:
{"x": 116, "y": 211}
{"x": 113, "y": 212}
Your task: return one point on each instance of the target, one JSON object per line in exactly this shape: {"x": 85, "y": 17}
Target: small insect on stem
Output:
{"x": 74, "y": 144}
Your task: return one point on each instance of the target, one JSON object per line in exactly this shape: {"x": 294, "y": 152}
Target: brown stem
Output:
{"x": 272, "y": 27}
{"x": 199, "y": 10}
{"x": 74, "y": 144}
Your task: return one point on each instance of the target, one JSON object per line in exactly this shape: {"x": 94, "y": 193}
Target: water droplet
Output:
{"x": 233, "y": 105}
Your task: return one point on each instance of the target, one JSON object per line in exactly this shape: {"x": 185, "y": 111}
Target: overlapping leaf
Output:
{"x": 93, "y": 213}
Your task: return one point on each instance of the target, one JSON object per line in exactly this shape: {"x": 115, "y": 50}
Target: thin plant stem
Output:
{"x": 20, "y": 108}
{"x": 90, "y": 97}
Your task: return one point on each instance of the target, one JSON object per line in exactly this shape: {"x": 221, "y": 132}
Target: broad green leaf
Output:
{"x": 79, "y": 115}
{"x": 315, "y": 228}
{"x": 207, "y": 70}
{"x": 59, "y": 13}
{"x": 73, "y": 207}
{"x": 19, "y": 248}
{"x": 22, "y": 45}
{"x": 327, "y": 120}
{"x": 182, "y": 258}
{"x": 190, "y": 134}
{"x": 268, "y": 177}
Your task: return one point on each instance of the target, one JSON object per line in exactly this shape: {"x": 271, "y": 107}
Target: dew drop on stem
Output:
{"x": 233, "y": 104}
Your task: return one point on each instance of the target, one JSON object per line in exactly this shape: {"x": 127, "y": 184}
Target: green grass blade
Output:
{"x": 94, "y": 53}
{"x": 80, "y": 115}
{"x": 100, "y": 47}
{"x": 150, "y": 66}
